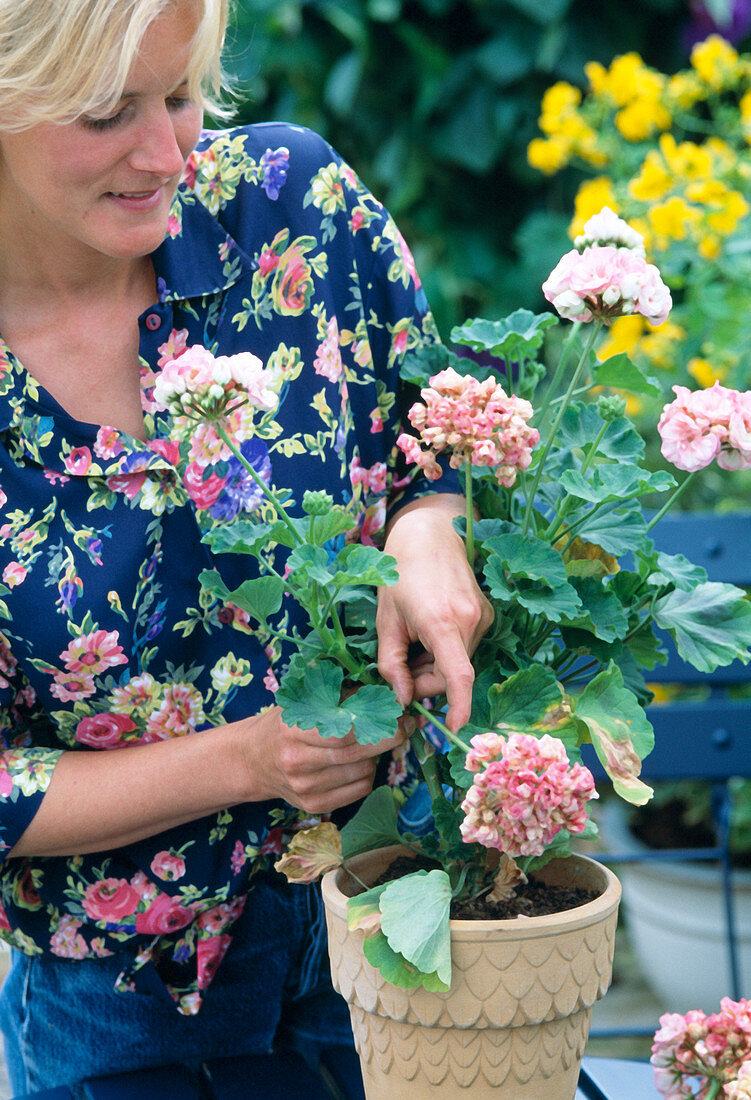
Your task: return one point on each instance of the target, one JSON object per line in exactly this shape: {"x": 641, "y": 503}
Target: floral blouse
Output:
{"x": 275, "y": 247}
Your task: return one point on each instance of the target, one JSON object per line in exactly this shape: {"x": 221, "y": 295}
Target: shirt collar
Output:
{"x": 197, "y": 258}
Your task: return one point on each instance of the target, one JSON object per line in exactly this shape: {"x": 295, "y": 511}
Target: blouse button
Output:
{"x": 153, "y": 321}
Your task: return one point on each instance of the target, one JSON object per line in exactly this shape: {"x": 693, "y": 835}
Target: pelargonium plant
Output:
{"x": 561, "y": 548}
{"x": 699, "y": 1057}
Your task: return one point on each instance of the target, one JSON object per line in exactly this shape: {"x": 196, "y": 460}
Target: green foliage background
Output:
{"x": 433, "y": 102}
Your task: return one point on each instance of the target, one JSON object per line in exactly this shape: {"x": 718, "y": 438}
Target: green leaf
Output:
{"x": 619, "y": 731}
{"x": 415, "y": 921}
{"x": 309, "y": 562}
{"x": 618, "y": 532}
{"x": 356, "y": 564}
{"x": 530, "y": 700}
{"x": 310, "y": 694}
{"x": 605, "y": 615}
{"x": 710, "y": 624}
{"x": 242, "y": 536}
{"x": 677, "y": 570}
{"x": 395, "y": 968}
{"x": 373, "y": 826}
{"x": 518, "y": 336}
{"x": 321, "y": 529}
{"x": 615, "y": 482}
{"x": 582, "y": 423}
{"x": 260, "y": 597}
{"x": 620, "y": 372}
{"x": 526, "y": 570}
{"x": 419, "y": 366}
{"x": 364, "y": 904}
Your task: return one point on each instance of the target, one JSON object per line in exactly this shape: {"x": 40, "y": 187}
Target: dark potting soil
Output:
{"x": 533, "y": 899}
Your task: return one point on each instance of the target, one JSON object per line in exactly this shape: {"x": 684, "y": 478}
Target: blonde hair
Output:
{"x": 60, "y": 59}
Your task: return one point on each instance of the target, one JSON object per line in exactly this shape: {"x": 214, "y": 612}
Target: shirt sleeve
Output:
{"x": 399, "y": 322}
{"x": 25, "y": 770}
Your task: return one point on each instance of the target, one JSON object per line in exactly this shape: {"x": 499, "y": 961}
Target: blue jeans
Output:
{"x": 62, "y": 1021}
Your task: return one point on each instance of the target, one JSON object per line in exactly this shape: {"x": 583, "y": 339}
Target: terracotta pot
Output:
{"x": 515, "y": 1022}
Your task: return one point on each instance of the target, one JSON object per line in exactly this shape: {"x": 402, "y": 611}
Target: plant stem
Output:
{"x": 671, "y": 500}
{"x": 443, "y": 728}
{"x": 470, "y": 541}
{"x": 265, "y": 489}
{"x": 567, "y": 348}
{"x": 714, "y": 1090}
{"x": 592, "y": 335}
{"x": 566, "y": 503}
{"x": 337, "y": 640}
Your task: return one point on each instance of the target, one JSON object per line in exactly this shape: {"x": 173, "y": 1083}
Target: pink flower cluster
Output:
{"x": 194, "y": 385}
{"x": 702, "y": 425}
{"x": 476, "y": 421}
{"x": 694, "y": 1054}
{"x": 606, "y": 281}
{"x": 525, "y": 791}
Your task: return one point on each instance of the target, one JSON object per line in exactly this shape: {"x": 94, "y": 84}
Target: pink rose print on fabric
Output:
{"x": 104, "y": 731}
{"x": 210, "y": 953}
{"x": 165, "y": 914}
{"x": 167, "y": 866}
{"x": 110, "y": 900}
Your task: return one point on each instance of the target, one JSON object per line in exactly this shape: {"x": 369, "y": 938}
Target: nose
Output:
{"x": 157, "y": 149}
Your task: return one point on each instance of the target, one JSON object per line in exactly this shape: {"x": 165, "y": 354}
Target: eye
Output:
{"x": 109, "y": 122}
{"x": 178, "y": 102}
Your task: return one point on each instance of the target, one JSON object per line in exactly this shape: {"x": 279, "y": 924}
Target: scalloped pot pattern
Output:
{"x": 515, "y": 1022}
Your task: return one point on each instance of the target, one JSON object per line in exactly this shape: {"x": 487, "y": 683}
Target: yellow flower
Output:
{"x": 597, "y": 75}
{"x": 709, "y": 247}
{"x": 745, "y": 108}
{"x": 560, "y": 98}
{"x": 704, "y": 373}
{"x": 715, "y": 61}
{"x": 625, "y": 77}
{"x": 590, "y": 198}
{"x": 640, "y": 118}
{"x": 671, "y": 220}
{"x": 623, "y": 336}
{"x": 726, "y": 220}
{"x": 685, "y": 89}
{"x": 725, "y": 158}
{"x": 548, "y": 156}
{"x": 659, "y": 344}
{"x": 653, "y": 181}
{"x": 687, "y": 160}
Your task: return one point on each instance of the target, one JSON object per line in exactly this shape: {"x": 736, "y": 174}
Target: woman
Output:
{"x": 126, "y": 873}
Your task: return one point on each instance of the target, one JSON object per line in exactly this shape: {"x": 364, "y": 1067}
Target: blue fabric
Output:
{"x": 274, "y": 247}
{"x": 62, "y": 1021}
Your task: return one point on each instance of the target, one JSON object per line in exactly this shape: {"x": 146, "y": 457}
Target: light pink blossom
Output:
{"x": 605, "y": 281}
{"x": 524, "y": 793}
{"x": 700, "y": 426}
{"x": 693, "y": 1054}
{"x": 213, "y": 391}
{"x": 475, "y": 422}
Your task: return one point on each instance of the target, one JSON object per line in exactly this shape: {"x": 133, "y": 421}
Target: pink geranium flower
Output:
{"x": 703, "y": 425}
{"x": 605, "y": 281}
{"x": 525, "y": 791}
{"x": 697, "y": 1056}
{"x": 475, "y": 422}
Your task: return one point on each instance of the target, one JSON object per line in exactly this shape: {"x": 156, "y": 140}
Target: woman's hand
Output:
{"x": 436, "y": 603}
{"x": 316, "y": 774}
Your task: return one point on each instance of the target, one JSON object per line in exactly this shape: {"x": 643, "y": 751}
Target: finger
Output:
{"x": 453, "y": 665}
{"x": 393, "y": 654}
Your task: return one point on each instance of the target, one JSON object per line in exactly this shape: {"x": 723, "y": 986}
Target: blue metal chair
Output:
{"x": 720, "y": 725}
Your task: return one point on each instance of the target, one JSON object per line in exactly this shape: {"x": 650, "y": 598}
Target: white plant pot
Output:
{"x": 675, "y": 921}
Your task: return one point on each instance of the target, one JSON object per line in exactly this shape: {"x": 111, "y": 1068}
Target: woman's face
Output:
{"x": 105, "y": 185}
